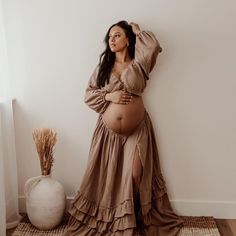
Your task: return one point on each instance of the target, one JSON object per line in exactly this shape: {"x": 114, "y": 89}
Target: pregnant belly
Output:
{"x": 124, "y": 119}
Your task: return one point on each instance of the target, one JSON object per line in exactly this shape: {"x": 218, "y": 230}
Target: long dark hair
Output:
{"x": 107, "y": 58}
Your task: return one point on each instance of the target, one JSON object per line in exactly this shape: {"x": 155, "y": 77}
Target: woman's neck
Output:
{"x": 122, "y": 57}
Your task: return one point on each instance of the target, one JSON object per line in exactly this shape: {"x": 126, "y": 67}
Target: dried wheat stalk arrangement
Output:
{"x": 45, "y": 140}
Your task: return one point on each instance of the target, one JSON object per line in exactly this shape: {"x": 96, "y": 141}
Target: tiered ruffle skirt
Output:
{"x": 104, "y": 204}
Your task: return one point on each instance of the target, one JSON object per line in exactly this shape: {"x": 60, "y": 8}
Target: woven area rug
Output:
{"x": 193, "y": 226}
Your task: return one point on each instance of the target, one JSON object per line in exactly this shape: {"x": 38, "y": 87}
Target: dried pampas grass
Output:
{"x": 45, "y": 140}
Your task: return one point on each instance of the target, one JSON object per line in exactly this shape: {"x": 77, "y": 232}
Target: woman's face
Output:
{"x": 117, "y": 39}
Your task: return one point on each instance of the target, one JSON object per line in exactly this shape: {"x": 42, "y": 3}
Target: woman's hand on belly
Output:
{"x": 119, "y": 97}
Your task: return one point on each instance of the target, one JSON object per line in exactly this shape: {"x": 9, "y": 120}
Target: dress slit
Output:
{"x": 104, "y": 204}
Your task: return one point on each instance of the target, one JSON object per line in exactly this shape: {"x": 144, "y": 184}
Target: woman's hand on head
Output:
{"x": 135, "y": 27}
{"x": 119, "y": 97}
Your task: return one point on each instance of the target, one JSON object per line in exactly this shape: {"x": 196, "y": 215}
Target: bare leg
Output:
{"x": 137, "y": 170}
{"x": 137, "y": 174}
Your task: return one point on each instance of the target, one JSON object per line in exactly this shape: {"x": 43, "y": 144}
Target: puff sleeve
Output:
{"x": 147, "y": 48}
{"x": 94, "y": 96}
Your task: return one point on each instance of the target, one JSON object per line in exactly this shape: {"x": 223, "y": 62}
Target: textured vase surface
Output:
{"x": 45, "y": 201}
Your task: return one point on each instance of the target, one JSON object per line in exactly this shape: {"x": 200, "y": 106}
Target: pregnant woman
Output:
{"x": 123, "y": 192}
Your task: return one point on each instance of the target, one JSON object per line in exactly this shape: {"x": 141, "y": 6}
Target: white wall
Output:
{"x": 53, "y": 47}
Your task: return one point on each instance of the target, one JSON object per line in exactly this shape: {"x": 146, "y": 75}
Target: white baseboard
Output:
{"x": 217, "y": 209}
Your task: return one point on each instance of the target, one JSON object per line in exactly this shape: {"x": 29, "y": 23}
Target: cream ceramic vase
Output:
{"x": 45, "y": 201}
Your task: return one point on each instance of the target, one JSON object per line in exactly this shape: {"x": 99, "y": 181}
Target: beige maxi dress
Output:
{"x": 104, "y": 204}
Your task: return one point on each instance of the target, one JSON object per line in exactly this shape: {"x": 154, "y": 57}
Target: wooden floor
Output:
{"x": 10, "y": 232}
{"x": 226, "y": 227}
